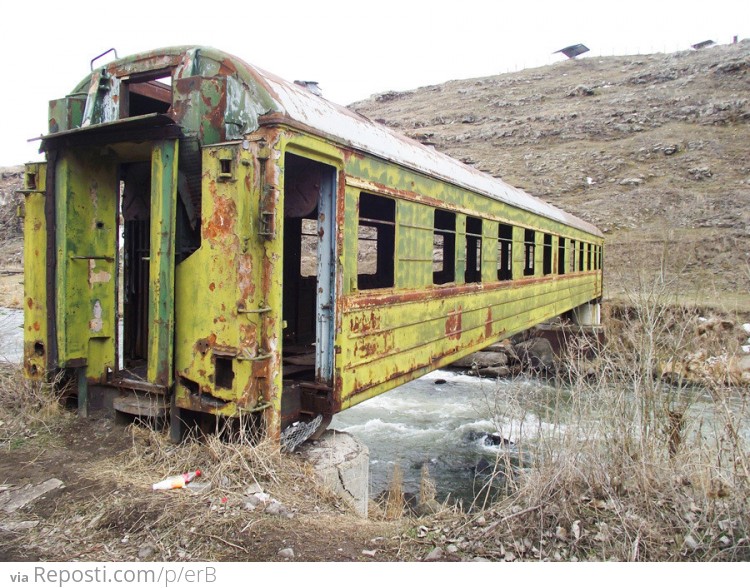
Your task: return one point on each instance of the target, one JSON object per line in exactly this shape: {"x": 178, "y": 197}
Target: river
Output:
{"x": 461, "y": 426}
{"x": 455, "y": 423}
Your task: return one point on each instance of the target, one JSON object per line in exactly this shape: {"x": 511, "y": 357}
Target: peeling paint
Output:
{"x": 97, "y": 277}
{"x": 96, "y": 323}
{"x": 245, "y": 277}
{"x": 222, "y": 220}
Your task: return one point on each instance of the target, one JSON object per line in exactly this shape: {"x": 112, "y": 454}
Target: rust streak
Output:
{"x": 453, "y": 324}
{"x": 222, "y": 220}
{"x": 245, "y": 277}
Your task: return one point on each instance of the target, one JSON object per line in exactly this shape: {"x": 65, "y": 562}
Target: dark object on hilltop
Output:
{"x": 703, "y": 44}
{"x": 573, "y": 51}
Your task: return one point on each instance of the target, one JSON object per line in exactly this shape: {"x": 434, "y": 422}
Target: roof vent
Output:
{"x": 311, "y": 86}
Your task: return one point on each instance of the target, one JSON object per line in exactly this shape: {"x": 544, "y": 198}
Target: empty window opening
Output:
{"x": 561, "y": 255}
{"x": 600, "y": 257}
{"x": 547, "y": 255}
{"x": 588, "y": 257}
{"x": 444, "y": 248}
{"x": 473, "y": 272}
{"x": 572, "y": 264}
{"x": 504, "y": 252}
{"x": 376, "y": 238}
{"x": 581, "y": 245}
{"x": 149, "y": 93}
{"x": 528, "y": 251}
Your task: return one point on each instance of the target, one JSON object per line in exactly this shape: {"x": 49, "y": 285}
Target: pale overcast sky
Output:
{"x": 352, "y": 48}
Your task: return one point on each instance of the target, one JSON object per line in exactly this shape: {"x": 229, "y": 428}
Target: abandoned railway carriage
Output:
{"x": 207, "y": 235}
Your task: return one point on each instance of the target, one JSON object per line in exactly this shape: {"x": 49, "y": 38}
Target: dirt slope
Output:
{"x": 653, "y": 149}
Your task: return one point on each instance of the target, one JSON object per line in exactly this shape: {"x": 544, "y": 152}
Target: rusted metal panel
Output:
{"x": 200, "y": 103}
{"x": 66, "y": 113}
{"x": 85, "y": 234}
{"x": 387, "y": 341}
{"x": 164, "y": 159}
{"x": 35, "y": 335}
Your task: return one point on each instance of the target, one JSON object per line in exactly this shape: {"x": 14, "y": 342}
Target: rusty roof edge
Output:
{"x": 300, "y": 105}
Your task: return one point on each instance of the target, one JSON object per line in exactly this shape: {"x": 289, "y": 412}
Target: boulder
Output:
{"x": 537, "y": 353}
{"x": 499, "y": 371}
{"x": 482, "y": 359}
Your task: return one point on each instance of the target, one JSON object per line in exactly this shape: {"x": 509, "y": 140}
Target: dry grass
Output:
{"x": 111, "y": 512}
{"x": 27, "y": 409}
{"x": 617, "y": 463}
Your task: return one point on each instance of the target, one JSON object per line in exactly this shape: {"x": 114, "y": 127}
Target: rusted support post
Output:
{"x": 161, "y": 266}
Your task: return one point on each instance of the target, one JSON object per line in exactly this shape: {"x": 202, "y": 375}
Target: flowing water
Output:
{"x": 462, "y": 427}
{"x": 458, "y": 425}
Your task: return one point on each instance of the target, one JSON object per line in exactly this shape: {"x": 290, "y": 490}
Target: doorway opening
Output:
{"x": 134, "y": 259}
{"x": 309, "y": 212}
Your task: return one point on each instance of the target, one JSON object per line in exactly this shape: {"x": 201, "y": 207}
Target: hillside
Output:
{"x": 653, "y": 149}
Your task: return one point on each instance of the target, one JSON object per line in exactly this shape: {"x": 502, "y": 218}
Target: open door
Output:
{"x": 148, "y": 214}
{"x": 308, "y": 289}
{"x": 95, "y": 191}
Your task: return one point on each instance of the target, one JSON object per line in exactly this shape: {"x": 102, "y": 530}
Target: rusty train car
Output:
{"x": 207, "y": 237}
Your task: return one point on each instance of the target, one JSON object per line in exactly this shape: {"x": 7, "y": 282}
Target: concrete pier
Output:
{"x": 342, "y": 463}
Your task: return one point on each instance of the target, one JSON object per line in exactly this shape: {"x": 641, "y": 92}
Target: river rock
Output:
{"x": 699, "y": 367}
{"x": 427, "y": 508}
{"x": 714, "y": 324}
{"x": 537, "y": 353}
{"x": 286, "y": 553}
{"x": 482, "y": 359}
{"x": 488, "y": 439}
{"x": 498, "y": 371}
